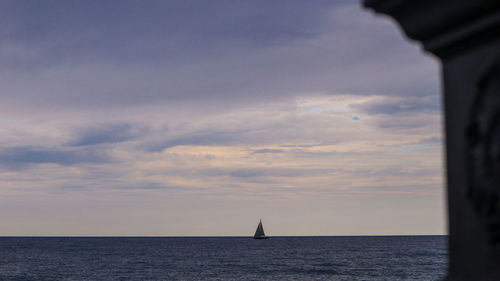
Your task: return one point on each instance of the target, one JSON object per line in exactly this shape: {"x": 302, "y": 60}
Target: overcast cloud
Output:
{"x": 152, "y": 118}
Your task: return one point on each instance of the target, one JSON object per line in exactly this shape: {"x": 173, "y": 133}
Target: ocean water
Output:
{"x": 223, "y": 258}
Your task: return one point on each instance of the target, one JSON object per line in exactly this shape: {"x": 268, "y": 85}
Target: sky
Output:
{"x": 202, "y": 117}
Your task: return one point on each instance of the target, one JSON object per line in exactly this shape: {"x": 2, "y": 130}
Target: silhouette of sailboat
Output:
{"x": 259, "y": 233}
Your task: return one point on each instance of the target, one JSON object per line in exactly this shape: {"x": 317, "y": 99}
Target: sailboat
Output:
{"x": 259, "y": 233}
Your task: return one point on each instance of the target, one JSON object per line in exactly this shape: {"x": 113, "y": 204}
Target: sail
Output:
{"x": 259, "y": 233}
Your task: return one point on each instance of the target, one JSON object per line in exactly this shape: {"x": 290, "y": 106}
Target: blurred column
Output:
{"x": 465, "y": 35}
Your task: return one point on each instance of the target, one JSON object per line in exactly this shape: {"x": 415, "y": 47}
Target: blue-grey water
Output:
{"x": 223, "y": 258}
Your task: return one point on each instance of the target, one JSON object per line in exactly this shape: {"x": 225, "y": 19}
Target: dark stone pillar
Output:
{"x": 465, "y": 35}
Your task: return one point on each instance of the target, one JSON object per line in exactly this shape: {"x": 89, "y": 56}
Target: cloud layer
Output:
{"x": 98, "y": 57}
{"x": 181, "y": 118}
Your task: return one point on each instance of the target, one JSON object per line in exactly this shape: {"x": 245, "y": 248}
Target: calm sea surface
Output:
{"x": 223, "y": 258}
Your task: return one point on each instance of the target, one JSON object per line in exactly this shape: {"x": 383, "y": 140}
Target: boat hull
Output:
{"x": 264, "y": 237}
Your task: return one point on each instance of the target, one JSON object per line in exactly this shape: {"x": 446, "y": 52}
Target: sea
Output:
{"x": 223, "y": 258}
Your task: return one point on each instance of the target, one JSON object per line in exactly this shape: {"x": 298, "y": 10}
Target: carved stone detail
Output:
{"x": 483, "y": 151}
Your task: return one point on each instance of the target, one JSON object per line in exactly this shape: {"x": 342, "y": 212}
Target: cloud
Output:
{"x": 414, "y": 189}
{"x": 91, "y": 60}
{"x": 268, "y": 150}
{"x": 21, "y": 157}
{"x": 247, "y": 173}
{"x": 259, "y": 98}
{"x": 399, "y": 105}
{"x": 105, "y": 133}
{"x": 431, "y": 140}
{"x": 196, "y": 139}
{"x": 144, "y": 186}
{"x": 112, "y": 32}
{"x": 279, "y": 172}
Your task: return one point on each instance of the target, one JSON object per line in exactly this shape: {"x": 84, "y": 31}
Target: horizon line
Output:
{"x": 213, "y": 236}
